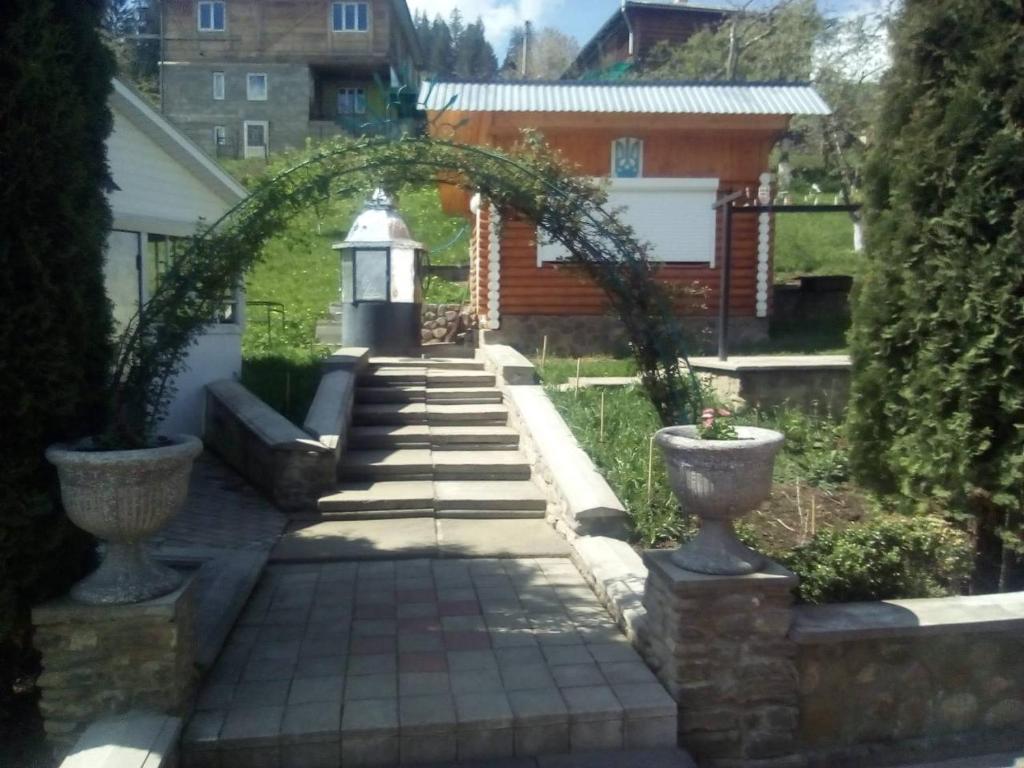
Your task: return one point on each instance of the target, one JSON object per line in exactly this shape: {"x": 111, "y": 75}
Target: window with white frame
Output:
{"x": 351, "y": 101}
{"x": 218, "y": 86}
{"x": 256, "y": 86}
{"x": 350, "y": 17}
{"x": 674, "y": 215}
{"x": 220, "y": 135}
{"x": 212, "y": 15}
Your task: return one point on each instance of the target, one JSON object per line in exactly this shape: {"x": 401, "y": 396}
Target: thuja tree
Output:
{"x": 531, "y": 180}
{"x": 54, "y": 318}
{"x": 937, "y": 411}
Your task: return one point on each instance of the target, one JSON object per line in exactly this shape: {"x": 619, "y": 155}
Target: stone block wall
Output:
{"x": 101, "y": 660}
{"x": 719, "y": 644}
{"x": 444, "y": 322}
{"x": 882, "y": 683}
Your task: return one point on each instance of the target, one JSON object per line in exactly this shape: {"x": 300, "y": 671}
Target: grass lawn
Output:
{"x": 815, "y": 244}
{"x": 300, "y": 271}
{"x": 811, "y": 477}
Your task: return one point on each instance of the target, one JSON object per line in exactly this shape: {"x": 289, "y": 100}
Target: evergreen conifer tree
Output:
{"x": 937, "y": 407}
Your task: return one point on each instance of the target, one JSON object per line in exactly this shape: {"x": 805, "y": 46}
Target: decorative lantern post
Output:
{"x": 381, "y": 280}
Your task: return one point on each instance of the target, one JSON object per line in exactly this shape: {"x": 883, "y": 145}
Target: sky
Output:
{"x": 578, "y": 18}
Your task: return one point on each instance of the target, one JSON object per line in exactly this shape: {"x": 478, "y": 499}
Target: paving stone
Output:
{"x": 612, "y": 652}
{"x": 657, "y": 758}
{"x": 644, "y": 700}
{"x": 485, "y": 744}
{"x": 483, "y": 710}
{"x": 428, "y": 747}
{"x": 320, "y": 666}
{"x": 627, "y": 672}
{"x": 538, "y": 706}
{"x": 574, "y": 675}
{"x": 423, "y": 662}
{"x": 252, "y": 726}
{"x": 520, "y": 656}
{"x": 466, "y": 641}
{"x": 430, "y": 713}
{"x": 416, "y": 610}
{"x": 370, "y": 646}
{"x": 594, "y": 702}
{"x": 476, "y": 681}
{"x": 420, "y": 642}
{"x": 373, "y": 664}
{"x": 363, "y": 687}
{"x": 372, "y": 717}
{"x": 316, "y": 689}
{"x": 374, "y": 627}
{"x": 557, "y": 655}
{"x": 203, "y": 729}
{"x": 215, "y": 696}
{"x": 357, "y": 540}
{"x": 268, "y": 693}
{"x": 473, "y": 623}
{"x": 319, "y": 721}
{"x": 422, "y": 683}
{"x": 464, "y": 661}
{"x": 505, "y": 538}
{"x": 520, "y": 677}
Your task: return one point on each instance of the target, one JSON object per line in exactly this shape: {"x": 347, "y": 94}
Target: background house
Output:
{"x": 164, "y": 188}
{"x": 668, "y": 151}
{"x": 634, "y": 29}
{"x": 245, "y": 77}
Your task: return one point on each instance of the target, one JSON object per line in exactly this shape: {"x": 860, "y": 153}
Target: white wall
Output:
{"x": 217, "y": 355}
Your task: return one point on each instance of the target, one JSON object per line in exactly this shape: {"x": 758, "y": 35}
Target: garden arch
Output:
{"x": 530, "y": 179}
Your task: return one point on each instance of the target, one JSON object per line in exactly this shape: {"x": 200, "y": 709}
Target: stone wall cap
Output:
{"x": 838, "y": 623}
{"x": 756, "y": 363}
{"x": 348, "y": 357}
{"x": 137, "y": 739}
{"x": 63, "y": 609}
{"x": 772, "y": 577}
{"x": 270, "y": 426}
{"x": 511, "y": 366}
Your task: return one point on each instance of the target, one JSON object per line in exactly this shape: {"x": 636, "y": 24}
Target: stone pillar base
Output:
{"x": 719, "y": 644}
{"x": 101, "y": 660}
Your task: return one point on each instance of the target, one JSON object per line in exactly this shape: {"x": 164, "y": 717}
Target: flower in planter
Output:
{"x": 714, "y": 427}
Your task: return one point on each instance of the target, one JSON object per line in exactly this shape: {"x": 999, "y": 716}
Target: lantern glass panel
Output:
{"x": 371, "y": 275}
{"x": 346, "y": 275}
{"x": 403, "y": 275}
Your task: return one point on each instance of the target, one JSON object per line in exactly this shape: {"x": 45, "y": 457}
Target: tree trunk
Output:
{"x": 988, "y": 545}
{"x": 858, "y": 234}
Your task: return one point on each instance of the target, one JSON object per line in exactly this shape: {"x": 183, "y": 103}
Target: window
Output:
{"x": 351, "y": 101}
{"x": 350, "y": 17}
{"x": 218, "y": 86}
{"x": 211, "y": 15}
{"x": 220, "y": 136}
{"x": 256, "y": 86}
{"x": 161, "y": 252}
{"x": 674, "y": 215}
{"x": 255, "y": 134}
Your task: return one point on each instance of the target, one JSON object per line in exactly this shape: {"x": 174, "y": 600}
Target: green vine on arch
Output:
{"x": 531, "y": 180}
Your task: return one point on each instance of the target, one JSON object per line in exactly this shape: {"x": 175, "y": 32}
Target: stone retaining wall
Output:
{"x": 886, "y": 682}
{"x": 101, "y": 660}
{"x": 444, "y": 322}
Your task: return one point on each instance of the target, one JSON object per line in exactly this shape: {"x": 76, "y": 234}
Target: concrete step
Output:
{"x": 404, "y": 393}
{"x": 405, "y": 463}
{"x": 371, "y": 414}
{"x": 369, "y": 499}
{"x": 391, "y": 377}
{"x": 480, "y": 465}
{"x": 434, "y": 363}
{"x": 443, "y": 438}
{"x": 478, "y": 395}
{"x": 466, "y": 414}
{"x": 449, "y": 379}
{"x": 509, "y": 495}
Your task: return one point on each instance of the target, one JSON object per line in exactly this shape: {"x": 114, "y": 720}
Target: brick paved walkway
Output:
{"x": 376, "y": 663}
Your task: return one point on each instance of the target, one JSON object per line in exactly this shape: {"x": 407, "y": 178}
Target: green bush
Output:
{"x": 937, "y": 399}
{"x": 55, "y": 322}
{"x": 882, "y": 558}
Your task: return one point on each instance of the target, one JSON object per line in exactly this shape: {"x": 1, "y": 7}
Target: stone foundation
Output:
{"x": 101, "y": 660}
{"x": 578, "y": 335}
{"x": 445, "y": 322}
{"x": 719, "y": 644}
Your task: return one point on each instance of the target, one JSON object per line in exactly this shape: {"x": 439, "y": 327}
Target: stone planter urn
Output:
{"x": 719, "y": 481}
{"x": 123, "y": 497}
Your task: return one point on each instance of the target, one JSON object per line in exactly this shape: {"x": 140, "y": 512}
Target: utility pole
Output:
{"x": 526, "y": 47}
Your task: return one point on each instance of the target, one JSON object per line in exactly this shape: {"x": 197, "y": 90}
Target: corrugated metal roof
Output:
{"x": 673, "y": 98}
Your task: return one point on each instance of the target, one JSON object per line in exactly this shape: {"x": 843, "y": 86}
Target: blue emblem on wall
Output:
{"x": 627, "y": 158}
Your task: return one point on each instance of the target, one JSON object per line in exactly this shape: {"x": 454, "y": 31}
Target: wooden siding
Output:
{"x": 279, "y": 30}
{"x": 654, "y": 25}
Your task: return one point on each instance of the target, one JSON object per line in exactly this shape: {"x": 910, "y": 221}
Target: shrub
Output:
{"x": 937, "y": 397}
{"x": 882, "y": 558}
{"x": 55, "y": 324}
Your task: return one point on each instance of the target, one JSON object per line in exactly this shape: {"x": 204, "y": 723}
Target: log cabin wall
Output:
{"x": 560, "y": 301}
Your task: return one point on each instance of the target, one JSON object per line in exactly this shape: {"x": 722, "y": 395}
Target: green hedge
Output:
{"x": 54, "y": 316}
{"x": 937, "y": 403}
